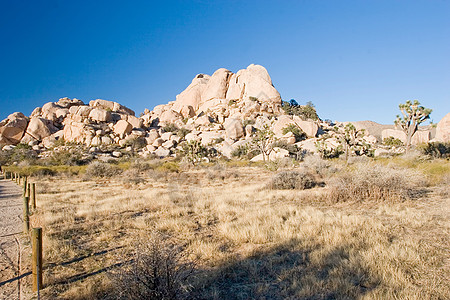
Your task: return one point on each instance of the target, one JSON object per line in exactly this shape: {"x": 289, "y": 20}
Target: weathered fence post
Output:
{"x": 32, "y": 194}
{"x": 19, "y": 179}
{"x": 36, "y": 240}
{"x": 25, "y": 185}
{"x": 26, "y": 215}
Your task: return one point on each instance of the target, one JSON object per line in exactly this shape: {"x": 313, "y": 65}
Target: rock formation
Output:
{"x": 222, "y": 110}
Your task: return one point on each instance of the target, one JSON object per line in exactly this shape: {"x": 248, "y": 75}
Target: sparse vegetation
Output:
{"x": 194, "y": 152}
{"x": 252, "y": 232}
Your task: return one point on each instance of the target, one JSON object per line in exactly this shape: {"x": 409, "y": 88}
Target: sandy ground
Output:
{"x": 13, "y": 247}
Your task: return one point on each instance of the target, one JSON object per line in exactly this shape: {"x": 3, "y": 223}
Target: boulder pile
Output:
{"x": 223, "y": 110}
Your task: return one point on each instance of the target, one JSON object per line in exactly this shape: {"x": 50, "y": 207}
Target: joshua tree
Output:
{"x": 352, "y": 140}
{"x": 413, "y": 115}
{"x": 264, "y": 141}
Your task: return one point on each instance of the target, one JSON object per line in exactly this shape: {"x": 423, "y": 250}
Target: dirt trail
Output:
{"x": 11, "y": 241}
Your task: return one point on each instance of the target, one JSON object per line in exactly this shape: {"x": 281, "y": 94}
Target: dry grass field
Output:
{"x": 369, "y": 230}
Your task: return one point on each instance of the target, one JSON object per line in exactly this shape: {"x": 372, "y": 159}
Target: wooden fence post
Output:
{"x": 36, "y": 240}
{"x": 26, "y": 215}
{"x": 25, "y": 185}
{"x": 32, "y": 193}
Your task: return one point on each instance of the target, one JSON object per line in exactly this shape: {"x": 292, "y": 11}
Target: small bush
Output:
{"x": 66, "y": 155}
{"x": 393, "y": 142}
{"x": 170, "y": 127}
{"x": 183, "y": 132}
{"x": 158, "y": 271}
{"x": 21, "y": 153}
{"x": 168, "y": 166}
{"x": 220, "y": 172}
{"x": 132, "y": 177}
{"x": 100, "y": 169}
{"x": 248, "y": 122}
{"x": 293, "y": 180}
{"x": 436, "y": 149}
{"x": 297, "y": 131}
{"x": 374, "y": 182}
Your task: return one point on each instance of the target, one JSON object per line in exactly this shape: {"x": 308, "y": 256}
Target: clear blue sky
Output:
{"x": 355, "y": 60}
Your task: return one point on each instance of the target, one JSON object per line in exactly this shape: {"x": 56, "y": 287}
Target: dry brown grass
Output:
{"x": 248, "y": 242}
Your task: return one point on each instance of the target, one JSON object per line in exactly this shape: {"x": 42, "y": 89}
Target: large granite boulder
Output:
{"x": 192, "y": 95}
{"x": 111, "y": 106}
{"x": 233, "y": 129}
{"x": 253, "y": 82}
{"x": 443, "y": 129}
{"x": 38, "y": 128}
{"x": 217, "y": 85}
{"x": 12, "y": 129}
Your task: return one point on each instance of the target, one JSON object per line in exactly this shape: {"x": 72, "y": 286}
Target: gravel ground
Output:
{"x": 13, "y": 248}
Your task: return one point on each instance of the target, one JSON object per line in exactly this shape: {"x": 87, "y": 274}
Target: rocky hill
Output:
{"x": 223, "y": 110}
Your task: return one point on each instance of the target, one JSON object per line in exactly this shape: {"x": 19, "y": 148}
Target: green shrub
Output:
{"x": 297, "y": 131}
{"x": 170, "y": 127}
{"x": 168, "y": 166}
{"x": 393, "y": 142}
{"x": 66, "y": 155}
{"x": 183, "y": 132}
{"x": 232, "y": 102}
{"x": 20, "y": 153}
{"x": 307, "y": 111}
{"x": 248, "y": 122}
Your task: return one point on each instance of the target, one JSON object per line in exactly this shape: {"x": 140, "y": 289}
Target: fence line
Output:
{"x": 29, "y": 199}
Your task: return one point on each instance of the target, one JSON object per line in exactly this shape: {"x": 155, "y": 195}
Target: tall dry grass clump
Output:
{"x": 374, "y": 182}
{"x": 293, "y": 180}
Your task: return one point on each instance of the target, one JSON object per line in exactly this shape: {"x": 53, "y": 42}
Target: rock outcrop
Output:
{"x": 12, "y": 129}
{"x": 443, "y": 129}
{"x": 222, "y": 111}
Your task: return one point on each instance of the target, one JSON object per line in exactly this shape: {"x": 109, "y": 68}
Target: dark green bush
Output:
{"x": 307, "y": 111}
{"x": 436, "y": 149}
{"x": 297, "y": 131}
